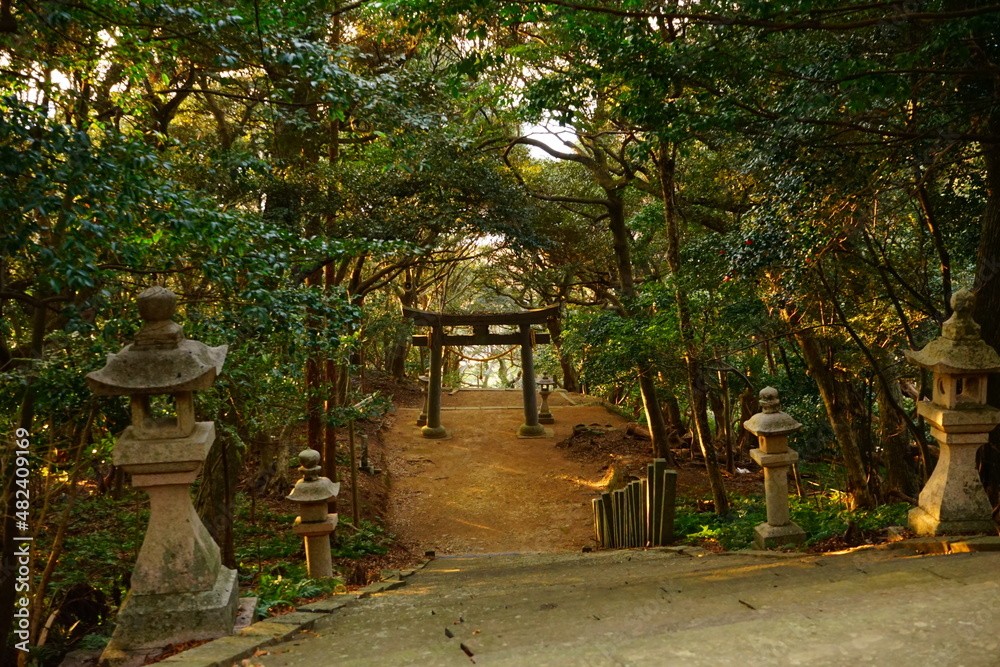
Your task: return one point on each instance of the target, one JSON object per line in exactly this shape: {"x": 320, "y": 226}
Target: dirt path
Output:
{"x": 484, "y": 490}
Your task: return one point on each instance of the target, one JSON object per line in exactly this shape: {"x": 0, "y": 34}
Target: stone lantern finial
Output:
{"x": 961, "y": 326}
{"x": 157, "y": 306}
{"x": 769, "y": 402}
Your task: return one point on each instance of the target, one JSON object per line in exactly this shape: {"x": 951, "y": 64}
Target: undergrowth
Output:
{"x": 821, "y": 517}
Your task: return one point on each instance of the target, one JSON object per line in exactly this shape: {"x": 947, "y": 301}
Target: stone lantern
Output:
{"x": 179, "y": 589}
{"x": 953, "y": 500}
{"x": 772, "y": 427}
{"x": 314, "y": 524}
{"x": 422, "y": 417}
{"x": 545, "y": 386}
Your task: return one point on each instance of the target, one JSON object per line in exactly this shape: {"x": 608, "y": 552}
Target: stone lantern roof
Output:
{"x": 160, "y": 360}
{"x": 771, "y": 421}
{"x": 312, "y": 488}
{"x": 959, "y": 349}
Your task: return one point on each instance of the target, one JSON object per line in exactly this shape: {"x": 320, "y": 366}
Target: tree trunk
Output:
{"x": 988, "y": 302}
{"x": 900, "y": 475}
{"x": 654, "y": 416}
{"x": 695, "y": 374}
{"x": 676, "y": 427}
{"x": 570, "y": 381}
{"x": 647, "y": 386}
{"x": 26, "y": 417}
{"x": 840, "y": 419}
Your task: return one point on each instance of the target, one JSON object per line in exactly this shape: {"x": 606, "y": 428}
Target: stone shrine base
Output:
{"x": 766, "y": 536}
{"x": 924, "y": 523}
{"x": 148, "y": 623}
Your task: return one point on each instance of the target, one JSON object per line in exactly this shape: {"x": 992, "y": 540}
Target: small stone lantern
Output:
{"x": 179, "y": 589}
{"x": 425, "y": 380}
{"x": 545, "y": 386}
{"x": 772, "y": 427}
{"x": 953, "y": 500}
{"x": 314, "y": 524}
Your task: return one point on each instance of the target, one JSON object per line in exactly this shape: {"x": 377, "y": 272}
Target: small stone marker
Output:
{"x": 179, "y": 589}
{"x": 772, "y": 427}
{"x": 953, "y": 500}
{"x": 314, "y": 524}
{"x": 425, "y": 381}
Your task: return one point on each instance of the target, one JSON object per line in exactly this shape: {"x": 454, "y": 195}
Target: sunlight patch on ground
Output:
{"x": 476, "y": 525}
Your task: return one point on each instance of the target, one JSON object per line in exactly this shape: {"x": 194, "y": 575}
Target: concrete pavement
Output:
{"x": 670, "y": 606}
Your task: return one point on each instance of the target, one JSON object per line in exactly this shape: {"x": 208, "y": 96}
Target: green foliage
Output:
{"x": 820, "y": 517}
{"x": 369, "y": 539}
{"x": 288, "y": 588}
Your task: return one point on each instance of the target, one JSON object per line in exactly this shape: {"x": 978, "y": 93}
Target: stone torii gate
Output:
{"x": 437, "y": 339}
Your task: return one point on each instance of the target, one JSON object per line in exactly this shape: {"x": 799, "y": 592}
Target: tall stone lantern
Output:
{"x": 953, "y": 500}
{"x": 180, "y": 590}
{"x": 772, "y": 427}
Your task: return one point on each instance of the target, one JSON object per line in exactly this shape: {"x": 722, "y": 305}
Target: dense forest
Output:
{"x": 722, "y": 196}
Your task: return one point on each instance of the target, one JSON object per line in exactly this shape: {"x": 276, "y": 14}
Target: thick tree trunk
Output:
{"x": 217, "y": 495}
{"x": 840, "y": 419}
{"x": 676, "y": 427}
{"x": 900, "y": 474}
{"x": 988, "y": 302}
{"x": 654, "y": 416}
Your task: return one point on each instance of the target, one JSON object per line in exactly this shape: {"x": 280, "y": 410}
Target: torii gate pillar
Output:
{"x": 433, "y": 429}
{"x": 530, "y": 428}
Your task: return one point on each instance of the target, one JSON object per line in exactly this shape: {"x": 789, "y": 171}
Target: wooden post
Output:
{"x": 530, "y": 428}
{"x": 433, "y": 428}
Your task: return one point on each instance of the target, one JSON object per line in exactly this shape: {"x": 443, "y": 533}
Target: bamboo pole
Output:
{"x": 598, "y": 520}
{"x": 619, "y": 497}
{"x": 644, "y": 510}
{"x": 637, "y": 537}
{"x": 659, "y": 467}
{"x": 606, "y": 507}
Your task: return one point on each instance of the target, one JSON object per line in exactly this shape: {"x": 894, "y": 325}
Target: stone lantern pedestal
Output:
{"x": 772, "y": 428}
{"x": 953, "y": 500}
{"x": 545, "y": 385}
{"x": 179, "y": 589}
{"x": 314, "y": 524}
